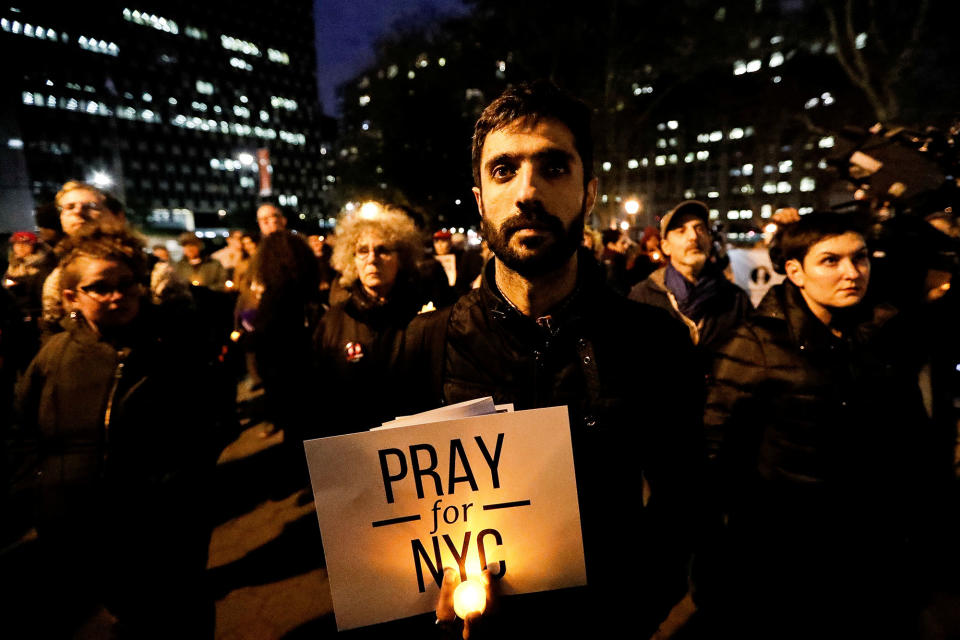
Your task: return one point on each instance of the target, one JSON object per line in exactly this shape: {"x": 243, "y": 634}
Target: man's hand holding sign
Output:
{"x": 397, "y": 507}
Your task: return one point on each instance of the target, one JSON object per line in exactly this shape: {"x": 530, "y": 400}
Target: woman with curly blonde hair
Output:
{"x": 358, "y": 340}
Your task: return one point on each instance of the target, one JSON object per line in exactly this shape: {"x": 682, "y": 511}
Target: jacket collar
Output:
{"x": 568, "y": 312}
{"x": 784, "y": 303}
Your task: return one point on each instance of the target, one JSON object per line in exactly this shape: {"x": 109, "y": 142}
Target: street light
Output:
{"x": 370, "y": 210}
{"x": 631, "y": 206}
{"x": 100, "y": 179}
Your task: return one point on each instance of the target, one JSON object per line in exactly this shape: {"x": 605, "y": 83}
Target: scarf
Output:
{"x": 693, "y": 298}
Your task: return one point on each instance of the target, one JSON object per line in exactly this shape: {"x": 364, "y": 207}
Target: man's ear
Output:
{"x": 479, "y": 198}
{"x": 69, "y": 297}
{"x": 590, "y": 196}
{"x": 795, "y": 272}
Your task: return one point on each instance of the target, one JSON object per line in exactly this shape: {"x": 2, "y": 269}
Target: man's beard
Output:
{"x": 537, "y": 260}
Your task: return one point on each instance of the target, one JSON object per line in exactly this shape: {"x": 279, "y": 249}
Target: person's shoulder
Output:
{"x": 650, "y": 288}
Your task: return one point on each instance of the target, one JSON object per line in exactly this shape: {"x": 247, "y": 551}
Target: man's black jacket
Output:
{"x": 627, "y": 374}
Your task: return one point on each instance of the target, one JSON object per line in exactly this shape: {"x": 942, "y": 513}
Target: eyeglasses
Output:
{"x": 82, "y": 206}
{"x": 102, "y": 291}
{"x": 379, "y": 252}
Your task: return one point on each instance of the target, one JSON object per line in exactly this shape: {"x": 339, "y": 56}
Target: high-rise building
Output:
{"x": 188, "y": 111}
{"x": 740, "y": 105}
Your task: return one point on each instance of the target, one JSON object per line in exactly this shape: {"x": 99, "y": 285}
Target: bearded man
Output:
{"x": 544, "y": 330}
{"x": 692, "y": 287}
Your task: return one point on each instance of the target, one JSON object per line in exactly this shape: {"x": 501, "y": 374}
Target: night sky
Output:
{"x": 347, "y": 30}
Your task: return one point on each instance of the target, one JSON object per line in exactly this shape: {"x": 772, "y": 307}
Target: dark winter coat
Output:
{"x": 120, "y": 457}
{"x": 629, "y": 431}
{"x": 724, "y": 313}
{"x": 822, "y": 457}
{"x": 356, "y": 346}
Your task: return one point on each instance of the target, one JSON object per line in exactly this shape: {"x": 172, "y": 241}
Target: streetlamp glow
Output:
{"x": 370, "y": 209}
{"x": 100, "y": 179}
{"x": 631, "y": 206}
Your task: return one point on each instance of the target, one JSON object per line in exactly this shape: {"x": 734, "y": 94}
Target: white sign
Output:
{"x": 397, "y": 506}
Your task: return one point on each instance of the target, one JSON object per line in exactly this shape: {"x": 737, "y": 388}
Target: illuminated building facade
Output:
{"x": 170, "y": 105}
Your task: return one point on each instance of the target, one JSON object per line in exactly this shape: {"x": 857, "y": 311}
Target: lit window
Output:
{"x": 827, "y": 99}
{"x": 776, "y": 39}
{"x": 747, "y": 189}
{"x": 811, "y": 103}
{"x": 703, "y": 155}
{"x": 645, "y": 162}
{"x": 278, "y": 56}
{"x": 607, "y": 166}
{"x": 442, "y": 62}
{"x": 822, "y": 164}
{"x": 805, "y": 210}
{"x": 739, "y": 68}
{"x": 716, "y": 136}
{"x": 776, "y": 59}
{"x": 689, "y": 194}
{"x": 783, "y": 187}
{"x": 236, "y": 44}
{"x": 736, "y": 133}
{"x": 672, "y": 142}
{"x": 766, "y": 211}
{"x": 661, "y": 143}
{"x": 713, "y": 194}
{"x": 807, "y": 184}
{"x": 672, "y": 158}
{"x": 768, "y": 169}
{"x": 411, "y": 75}
{"x": 689, "y": 157}
{"x": 777, "y": 79}
{"x": 785, "y": 166}
{"x": 204, "y": 87}
{"x": 769, "y": 187}
{"x": 733, "y": 214}
{"x": 754, "y": 65}
{"x": 735, "y": 172}
{"x": 15, "y": 143}
{"x": 746, "y": 214}
{"x": 861, "y": 41}
{"x": 364, "y": 100}
{"x": 826, "y": 142}
{"x": 660, "y": 160}
{"x": 632, "y": 163}
{"x": 748, "y": 169}
{"x": 264, "y": 116}
{"x": 672, "y": 124}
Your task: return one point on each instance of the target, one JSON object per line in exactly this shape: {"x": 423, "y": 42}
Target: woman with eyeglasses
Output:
{"x": 112, "y": 409}
{"x": 358, "y": 340}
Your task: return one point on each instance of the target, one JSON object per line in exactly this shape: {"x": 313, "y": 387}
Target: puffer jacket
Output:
{"x": 634, "y": 428}
{"x": 824, "y": 465}
{"x": 110, "y": 417}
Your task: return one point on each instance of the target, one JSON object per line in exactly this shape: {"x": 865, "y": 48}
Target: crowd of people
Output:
{"x": 790, "y": 469}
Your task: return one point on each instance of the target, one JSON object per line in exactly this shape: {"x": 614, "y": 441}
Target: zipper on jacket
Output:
{"x": 108, "y": 414}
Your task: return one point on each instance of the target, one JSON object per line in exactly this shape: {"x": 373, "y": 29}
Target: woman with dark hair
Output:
{"x": 358, "y": 340}
{"x": 282, "y": 297}
{"x": 822, "y": 452}
{"x": 114, "y": 406}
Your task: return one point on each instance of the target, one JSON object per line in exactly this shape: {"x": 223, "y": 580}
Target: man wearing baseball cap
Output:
{"x": 690, "y": 287}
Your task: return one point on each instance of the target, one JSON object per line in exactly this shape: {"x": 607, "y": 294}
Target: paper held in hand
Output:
{"x": 447, "y": 488}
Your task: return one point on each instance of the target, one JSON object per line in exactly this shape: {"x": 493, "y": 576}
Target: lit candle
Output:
{"x": 470, "y": 596}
